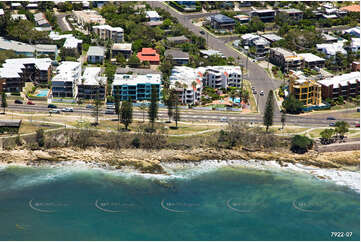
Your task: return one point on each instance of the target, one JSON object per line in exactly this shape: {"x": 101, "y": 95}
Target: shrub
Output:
{"x": 40, "y": 138}
{"x": 301, "y": 144}
{"x": 136, "y": 142}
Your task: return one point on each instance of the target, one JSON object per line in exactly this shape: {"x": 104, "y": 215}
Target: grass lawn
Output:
{"x": 30, "y": 127}
{"x": 287, "y": 130}
{"x": 252, "y": 100}
{"x": 316, "y": 133}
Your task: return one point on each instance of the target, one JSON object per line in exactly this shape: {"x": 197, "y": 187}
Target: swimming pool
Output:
{"x": 235, "y": 100}
{"x": 42, "y": 93}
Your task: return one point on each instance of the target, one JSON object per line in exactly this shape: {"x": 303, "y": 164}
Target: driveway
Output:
{"x": 62, "y": 22}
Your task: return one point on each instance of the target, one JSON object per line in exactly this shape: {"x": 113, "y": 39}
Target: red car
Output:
{"x": 30, "y": 103}
{"x": 357, "y": 125}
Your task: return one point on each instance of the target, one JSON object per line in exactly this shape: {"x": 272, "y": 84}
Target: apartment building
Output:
{"x": 95, "y": 54}
{"x": 222, "y": 22}
{"x": 222, "y": 76}
{"x": 285, "y": 59}
{"x": 15, "y": 72}
{"x": 18, "y": 47}
{"x": 122, "y": 48}
{"x": 258, "y": 46}
{"x": 331, "y": 49}
{"x": 91, "y": 85}
{"x": 266, "y": 15}
{"x": 64, "y": 82}
{"x": 346, "y": 85}
{"x": 88, "y": 16}
{"x": 187, "y": 82}
{"x": 107, "y": 32}
{"x": 311, "y": 61}
{"x": 305, "y": 90}
{"x": 292, "y": 13}
{"x": 48, "y": 50}
{"x": 136, "y": 87}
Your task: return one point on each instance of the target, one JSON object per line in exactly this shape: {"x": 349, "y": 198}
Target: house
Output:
{"x": 10, "y": 126}
{"x": 331, "y": 49}
{"x": 106, "y": 32}
{"x": 355, "y": 31}
{"x": 266, "y": 15}
{"x": 32, "y": 6}
{"x": 351, "y": 8}
{"x": 152, "y": 16}
{"x": 15, "y": 5}
{"x": 272, "y": 37}
{"x": 346, "y": 85}
{"x": 64, "y": 82}
{"x": 210, "y": 52}
{"x": 18, "y": 17}
{"x": 305, "y": 90}
{"x": 258, "y": 46}
{"x": 242, "y": 19}
{"x": 285, "y": 59}
{"x": 311, "y": 61}
{"x": 355, "y": 44}
{"x": 292, "y": 13}
{"x": 49, "y": 50}
{"x": 150, "y": 55}
{"x": 88, "y": 16}
{"x": 124, "y": 48}
{"x": 70, "y": 41}
{"x": 222, "y": 22}
{"x": 355, "y": 66}
{"x": 2, "y": 12}
{"x": 222, "y": 76}
{"x": 178, "y": 39}
{"x": 329, "y": 38}
{"x": 91, "y": 85}
{"x": 95, "y": 54}
{"x": 136, "y": 87}
{"x": 178, "y": 57}
{"x": 40, "y": 20}
{"x": 18, "y": 47}
{"x": 188, "y": 84}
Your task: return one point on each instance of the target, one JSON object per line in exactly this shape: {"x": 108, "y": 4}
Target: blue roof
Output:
{"x": 220, "y": 18}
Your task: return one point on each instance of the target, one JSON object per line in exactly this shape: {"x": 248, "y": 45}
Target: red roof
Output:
{"x": 352, "y": 8}
{"x": 148, "y": 54}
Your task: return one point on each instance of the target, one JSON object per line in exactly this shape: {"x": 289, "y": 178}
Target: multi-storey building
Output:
{"x": 291, "y": 13}
{"x": 266, "y": 15}
{"x": 222, "y": 76}
{"x": 96, "y": 54}
{"x": 64, "y": 82}
{"x": 88, "y": 16}
{"x": 311, "y": 61}
{"x": 305, "y": 90}
{"x": 285, "y": 59}
{"x": 346, "y": 85}
{"x": 107, "y": 32}
{"x": 332, "y": 49}
{"x": 136, "y": 87}
{"x": 91, "y": 85}
{"x": 222, "y": 22}
{"x": 258, "y": 47}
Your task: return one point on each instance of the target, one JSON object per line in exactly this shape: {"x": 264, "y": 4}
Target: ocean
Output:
{"x": 226, "y": 203}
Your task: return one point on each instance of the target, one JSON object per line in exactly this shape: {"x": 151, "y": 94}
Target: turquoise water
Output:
{"x": 225, "y": 204}
{"x": 42, "y": 93}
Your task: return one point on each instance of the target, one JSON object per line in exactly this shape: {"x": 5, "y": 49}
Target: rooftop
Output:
{"x": 177, "y": 38}
{"x": 46, "y": 48}
{"x": 352, "y": 8}
{"x": 187, "y": 75}
{"x": 222, "y": 18}
{"x": 148, "y": 54}
{"x": 341, "y": 80}
{"x": 177, "y": 54}
{"x": 2, "y": 11}
{"x": 132, "y": 80}
{"x": 108, "y": 27}
{"x": 91, "y": 77}
{"x": 96, "y": 51}
{"x": 152, "y": 14}
{"x": 15, "y": 46}
{"x": 309, "y": 57}
{"x": 122, "y": 46}
{"x": 290, "y": 10}
{"x": 211, "y": 52}
{"x": 332, "y": 48}
{"x": 18, "y": 16}
{"x": 272, "y": 37}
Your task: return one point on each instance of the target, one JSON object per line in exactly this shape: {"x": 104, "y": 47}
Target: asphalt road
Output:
{"x": 256, "y": 74}
{"x": 197, "y": 115}
{"x": 62, "y": 22}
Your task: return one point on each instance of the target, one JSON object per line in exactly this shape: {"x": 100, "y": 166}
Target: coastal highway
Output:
{"x": 198, "y": 115}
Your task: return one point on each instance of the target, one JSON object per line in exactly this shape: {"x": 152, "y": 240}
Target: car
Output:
{"x": 202, "y": 32}
{"x": 109, "y": 111}
{"x": 110, "y": 106}
{"x": 17, "y": 101}
{"x": 224, "y": 119}
{"x": 67, "y": 110}
{"x": 57, "y": 111}
{"x": 30, "y": 103}
{"x": 331, "y": 118}
{"x": 261, "y": 93}
{"x": 357, "y": 125}
{"x": 89, "y": 106}
{"x": 332, "y": 124}
{"x": 254, "y": 60}
{"x": 254, "y": 92}
{"x": 253, "y": 88}
{"x": 52, "y": 106}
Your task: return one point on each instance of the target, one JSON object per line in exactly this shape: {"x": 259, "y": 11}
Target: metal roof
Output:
{"x": 96, "y": 51}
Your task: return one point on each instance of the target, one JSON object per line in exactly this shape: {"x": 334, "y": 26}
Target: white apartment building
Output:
{"x": 88, "y": 16}
{"x": 107, "y": 32}
{"x": 91, "y": 85}
{"x": 222, "y": 76}
{"x": 67, "y": 76}
{"x": 332, "y": 48}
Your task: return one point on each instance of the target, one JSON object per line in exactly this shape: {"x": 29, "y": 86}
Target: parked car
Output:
{"x": 224, "y": 119}
{"x": 30, "y": 103}
{"x": 67, "y": 110}
{"x": 202, "y": 32}
{"x": 261, "y": 93}
{"x": 56, "y": 111}
{"x": 17, "y": 101}
{"x": 109, "y": 111}
{"x": 89, "y": 106}
{"x": 110, "y": 106}
{"x": 254, "y": 92}
{"x": 357, "y": 125}
{"x": 332, "y": 124}
{"x": 52, "y": 106}
{"x": 331, "y": 118}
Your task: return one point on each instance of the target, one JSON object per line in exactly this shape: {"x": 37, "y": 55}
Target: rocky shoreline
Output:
{"x": 150, "y": 161}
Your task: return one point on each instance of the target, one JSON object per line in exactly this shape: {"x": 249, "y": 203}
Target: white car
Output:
{"x": 261, "y": 93}
{"x": 224, "y": 119}
{"x": 67, "y": 110}
{"x": 57, "y": 111}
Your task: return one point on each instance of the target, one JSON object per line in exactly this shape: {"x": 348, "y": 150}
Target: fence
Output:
{"x": 326, "y": 106}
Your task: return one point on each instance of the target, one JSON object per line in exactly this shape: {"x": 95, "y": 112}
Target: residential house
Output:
{"x": 15, "y": 5}
{"x": 352, "y": 8}
{"x": 122, "y": 48}
{"x": 258, "y": 46}
{"x": 311, "y": 61}
{"x": 329, "y": 38}
{"x": 18, "y": 47}
{"x": 70, "y": 41}
{"x": 2, "y": 12}
{"x": 32, "y": 6}
{"x": 346, "y": 85}
{"x": 64, "y": 82}
{"x": 179, "y": 57}
{"x": 150, "y": 55}
{"x": 291, "y": 13}
{"x": 266, "y": 15}
{"x": 331, "y": 49}
{"x": 10, "y": 126}
{"x": 305, "y": 90}
{"x": 91, "y": 85}
{"x": 285, "y": 59}
{"x": 242, "y": 19}
{"x": 355, "y": 66}
{"x": 18, "y": 17}
{"x": 49, "y": 50}
{"x": 106, "y": 32}
{"x": 136, "y": 87}
{"x": 95, "y": 55}
{"x": 272, "y": 37}
{"x": 40, "y": 20}
{"x": 355, "y": 44}
{"x": 153, "y": 18}
{"x": 211, "y": 52}
{"x": 355, "y": 32}
{"x": 178, "y": 39}
{"x": 222, "y": 22}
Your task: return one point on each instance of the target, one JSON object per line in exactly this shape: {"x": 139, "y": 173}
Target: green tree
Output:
{"x": 143, "y": 107}
{"x": 121, "y": 60}
{"x": 301, "y": 144}
{"x": 283, "y": 119}
{"x": 341, "y": 128}
{"x": 176, "y": 111}
{"x": 340, "y": 100}
{"x": 153, "y": 107}
{"x": 292, "y": 105}
{"x": 117, "y": 107}
{"x": 4, "y": 103}
{"x": 126, "y": 113}
{"x": 326, "y": 136}
{"x": 268, "y": 112}
{"x": 133, "y": 61}
{"x": 170, "y": 104}
{"x": 96, "y": 110}
{"x": 40, "y": 137}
